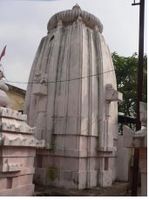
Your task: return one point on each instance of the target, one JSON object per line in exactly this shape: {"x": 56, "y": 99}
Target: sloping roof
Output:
{"x": 16, "y": 89}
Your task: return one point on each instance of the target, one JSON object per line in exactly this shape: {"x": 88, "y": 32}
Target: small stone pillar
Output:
{"x": 17, "y": 151}
{"x": 139, "y": 140}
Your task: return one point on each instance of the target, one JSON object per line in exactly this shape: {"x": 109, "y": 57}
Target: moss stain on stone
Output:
{"x": 52, "y": 173}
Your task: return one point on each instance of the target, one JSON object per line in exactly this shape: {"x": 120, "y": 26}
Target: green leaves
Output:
{"x": 126, "y": 74}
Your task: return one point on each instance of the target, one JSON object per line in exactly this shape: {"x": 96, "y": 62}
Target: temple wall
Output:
{"x": 17, "y": 153}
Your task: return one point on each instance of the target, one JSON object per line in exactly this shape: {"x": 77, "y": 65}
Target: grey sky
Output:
{"x": 24, "y": 23}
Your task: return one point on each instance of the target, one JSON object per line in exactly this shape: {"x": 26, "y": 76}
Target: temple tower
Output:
{"x": 72, "y": 100}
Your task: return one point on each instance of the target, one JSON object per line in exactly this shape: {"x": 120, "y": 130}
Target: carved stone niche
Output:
{"x": 112, "y": 94}
{"x": 40, "y": 84}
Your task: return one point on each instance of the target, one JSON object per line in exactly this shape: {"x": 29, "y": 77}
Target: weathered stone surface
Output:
{"x": 17, "y": 152}
{"x": 70, "y": 103}
{"x": 24, "y": 190}
{"x": 17, "y": 97}
{"x": 13, "y": 114}
{"x": 123, "y": 159}
{"x": 70, "y": 16}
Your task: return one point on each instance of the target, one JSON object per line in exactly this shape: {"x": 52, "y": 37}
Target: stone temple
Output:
{"x": 17, "y": 148}
{"x": 72, "y": 101}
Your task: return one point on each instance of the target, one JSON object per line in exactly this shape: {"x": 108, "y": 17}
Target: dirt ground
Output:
{"x": 117, "y": 189}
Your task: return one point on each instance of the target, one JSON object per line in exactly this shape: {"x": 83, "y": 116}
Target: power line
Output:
{"x": 59, "y": 81}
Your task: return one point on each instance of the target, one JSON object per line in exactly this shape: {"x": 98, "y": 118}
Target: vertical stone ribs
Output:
{"x": 71, "y": 116}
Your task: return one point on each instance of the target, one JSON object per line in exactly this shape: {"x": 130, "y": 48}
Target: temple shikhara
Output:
{"x": 73, "y": 103}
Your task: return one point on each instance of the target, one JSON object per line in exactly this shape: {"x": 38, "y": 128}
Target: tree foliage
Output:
{"x": 126, "y": 73}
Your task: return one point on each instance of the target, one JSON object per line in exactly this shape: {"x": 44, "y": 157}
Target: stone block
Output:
{"x": 105, "y": 178}
{"x": 83, "y": 146}
{"x": 80, "y": 179}
{"x": 94, "y": 126}
{"x": 71, "y": 142}
{"x": 13, "y": 114}
{"x": 84, "y": 126}
{"x": 122, "y": 160}
{"x": 53, "y": 175}
{"x": 21, "y": 162}
{"x": 57, "y": 161}
{"x": 68, "y": 175}
{"x": 112, "y": 94}
{"x": 40, "y": 89}
{"x": 68, "y": 163}
{"x": 47, "y": 161}
{"x": 42, "y": 104}
{"x": 65, "y": 181}
{"x": 71, "y": 125}
{"x": 11, "y": 167}
{"x": 92, "y": 178}
{"x": 60, "y": 125}
{"x": 10, "y": 151}
{"x": 59, "y": 142}
{"x": 26, "y": 190}
{"x": 128, "y": 136}
{"x": 3, "y": 183}
{"x": 92, "y": 163}
{"x": 22, "y": 180}
{"x": 82, "y": 164}
{"x": 92, "y": 142}
{"x": 24, "y": 171}
{"x": 21, "y": 140}
{"x": 40, "y": 176}
{"x": 41, "y": 120}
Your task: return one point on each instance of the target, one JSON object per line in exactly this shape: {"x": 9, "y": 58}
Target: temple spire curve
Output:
{"x": 67, "y": 18}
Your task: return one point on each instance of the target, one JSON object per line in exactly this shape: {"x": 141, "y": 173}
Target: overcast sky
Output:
{"x": 24, "y": 23}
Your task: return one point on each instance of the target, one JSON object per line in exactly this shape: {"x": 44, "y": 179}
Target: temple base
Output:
{"x": 68, "y": 167}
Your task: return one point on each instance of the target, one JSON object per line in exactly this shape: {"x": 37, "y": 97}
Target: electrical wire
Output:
{"x": 59, "y": 81}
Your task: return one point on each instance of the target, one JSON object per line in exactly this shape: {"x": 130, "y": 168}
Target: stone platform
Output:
{"x": 17, "y": 153}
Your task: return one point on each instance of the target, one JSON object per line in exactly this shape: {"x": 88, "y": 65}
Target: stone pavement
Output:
{"x": 117, "y": 189}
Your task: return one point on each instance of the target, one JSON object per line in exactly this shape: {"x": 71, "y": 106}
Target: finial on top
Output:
{"x": 68, "y": 17}
{"x": 76, "y": 7}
